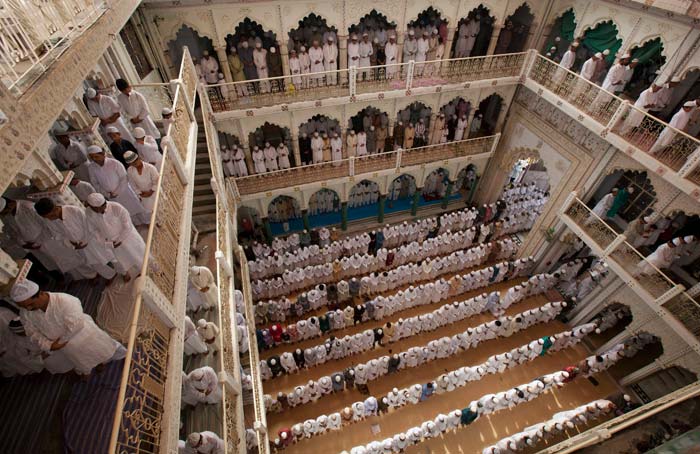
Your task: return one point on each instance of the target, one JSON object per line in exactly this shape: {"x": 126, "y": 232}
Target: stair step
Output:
{"x": 204, "y": 199}
{"x": 206, "y": 209}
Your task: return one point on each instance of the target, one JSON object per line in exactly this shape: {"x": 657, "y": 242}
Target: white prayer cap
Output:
{"x": 23, "y": 290}
{"x": 60, "y": 130}
{"x": 626, "y": 55}
{"x": 331, "y": 39}
{"x": 130, "y": 157}
{"x": 94, "y": 149}
{"x": 598, "y": 55}
{"x": 606, "y": 52}
{"x": 90, "y": 93}
{"x": 392, "y": 36}
{"x": 647, "y": 219}
{"x": 111, "y": 130}
{"x": 675, "y": 79}
{"x": 687, "y": 239}
{"x": 139, "y": 133}
{"x": 194, "y": 438}
{"x": 96, "y": 200}
{"x": 677, "y": 241}
{"x": 635, "y": 60}
{"x": 365, "y": 34}
{"x": 689, "y": 104}
{"x": 197, "y": 374}
{"x": 303, "y": 49}
{"x": 411, "y": 33}
{"x": 201, "y": 323}
{"x": 166, "y": 111}
{"x": 574, "y": 44}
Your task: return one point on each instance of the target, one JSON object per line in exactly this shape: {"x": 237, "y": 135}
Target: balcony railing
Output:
{"x": 144, "y": 417}
{"x": 622, "y": 124}
{"x": 353, "y": 166}
{"x": 35, "y": 34}
{"x": 353, "y": 81}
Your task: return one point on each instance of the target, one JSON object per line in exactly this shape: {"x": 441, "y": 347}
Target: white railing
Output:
{"x": 34, "y": 34}
{"x": 364, "y": 164}
{"x": 604, "y": 431}
{"x": 353, "y": 81}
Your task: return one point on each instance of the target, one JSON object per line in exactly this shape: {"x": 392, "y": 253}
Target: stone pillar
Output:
{"x": 416, "y": 198}
{"x": 448, "y": 193}
{"x": 223, "y": 63}
{"x": 343, "y": 58}
{"x": 399, "y": 47}
{"x": 382, "y": 202}
{"x": 305, "y": 219}
{"x": 295, "y": 149}
{"x": 472, "y": 190}
{"x": 268, "y": 229}
{"x": 248, "y": 156}
{"x": 448, "y": 45}
{"x": 284, "y": 53}
{"x": 501, "y": 117}
{"x": 343, "y": 215}
{"x": 641, "y": 374}
{"x": 617, "y": 339}
{"x": 494, "y": 38}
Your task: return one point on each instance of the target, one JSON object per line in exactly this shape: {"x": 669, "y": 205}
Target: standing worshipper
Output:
{"x": 336, "y": 147}
{"x": 57, "y": 324}
{"x": 330, "y": 60}
{"x": 143, "y": 178}
{"x": 504, "y": 39}
{"x": 240, "y": 168}
{"x": 619, "y": 201}
{"x": 601, "y": 67}
{"x": 147, "y": 148}
{"x": 391, "y": 53}
{"x": 136, "y": 108}
{"x": 107, "y": 110}
{"x": 237, "y": 72}
{"x": 645, "y": 102}
{"x": 602, "y": 207}
{"x": 203, "y": 281}
{"x": 614, "y": 79}
{"x": 210, "y": 68}
{"x": 316, "y": 57}
{"x": 110, "y": 224}
{"x": 410, "y": 47}
{"x": 467, "y": 37}
{"x": 589, "y": 67}
{"x": 679, "y": 121}
{"x": 569, "y": 57}
{"x": 70, "y": 154}
{"x": 246, "y": 56}
{"x": 258, "y": 160}
{"x": 295, "y": 68}
{"x": 109, "y": 178}
{"x": 119, "y": 146}
{"x": 366, "y": 52}
{"x": 353, "y": 52}
{"x": 69, "y": 224}
{"x": 283, "y": 156}
{"x": 274, "y": 66}
{"x": 260, "y": 61}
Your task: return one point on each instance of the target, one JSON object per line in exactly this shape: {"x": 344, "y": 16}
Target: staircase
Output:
{"x": 664, "y": 382}
{"x": 204, "y": 201}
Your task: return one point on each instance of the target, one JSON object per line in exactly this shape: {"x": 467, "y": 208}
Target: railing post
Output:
{"x": 399, "y": 154}
{"x": 409, "y": 74}
{"x": 496, "y": 140}
{"x": 221, "y": 259}
{"x": 529, "y": 63}
{"x": 352, "y": 80}
{"x": 670, "y": 294}
{"x": 351, "y": 166}
{"x": 614, "y": 244}
{"x": 690, "y": 164}
{"x": 567, "y": 203}
{"x": 618, "y": 113}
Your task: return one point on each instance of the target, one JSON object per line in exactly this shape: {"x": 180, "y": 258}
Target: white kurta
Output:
{"x": 679, "y": 121}
{"x": 64, "y": 321}
{"x": 635, "y": 117}
{"x": 135, "y": 105}
{"x": 614, "y": 79}
{"x": 73, "y": 157}
{"x": 283, "y": 157}
{"x": 567, "y": 61}
{"x": 391, "y": 52}
{"x": 115, "y": 226}
{"x": 148, "y": 152}
{"x": 143, "y": 182}
{"x": 111, "y": 181}
{"x": 82, "y": 189}
{"x": 239, "y": 166}
{"x": 193, "y": 341}
{"x": 202, "y": 278}
{"x": 259, "y": 161}
{"x": 210, "y": 69}
{"x": 105, "y": 107}
{"x": 588, "y": 69}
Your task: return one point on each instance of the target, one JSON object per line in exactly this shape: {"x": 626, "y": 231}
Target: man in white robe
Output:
{"x": 239, "y": 165}
{"x": 57, "y": 324}
{"x": 353, "y": 52}
{"x": 70, "y": 154}
{"x": 205, "y": 385}
{"x": 589, "y": 66}
{"x": 147, "y": 148}
{"x": 143, "y": 179}
{"x": 194, "y": 345}
{"x": 107, "y": 110}
{"x": 260, "y": 61}
{"x": 569, "y": 57}
{"x": 135, "y": 106}
{"x": 203, "y": 280}
{"x": 109, "y": 178}
{"x": 679, "y": 121}
{"x": 645, "y": 102}
{"x": 205, "y": 443}
{"x": 112, "y": 226}
{"x": 330, "y": 60}
{"x": 316, "y": 57}
{"x": 317, "y": 148}
{"x": 210, "y": 68}
{"x": 602, "y": 207}
{"x": 69, "y": 224}
{"x": 392, "y": 57}
{"x": 661, "y": 258}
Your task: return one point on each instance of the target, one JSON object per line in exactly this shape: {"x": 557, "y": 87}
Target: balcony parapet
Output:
{"x": 665, "y": 297}
{"x": 396, "y": 161}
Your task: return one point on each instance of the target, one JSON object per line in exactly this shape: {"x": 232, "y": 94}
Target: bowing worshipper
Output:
{"x": 135, "y": 106}
{"x": 111, "y": 225}
{"x": 645, "y": 102}
{"x": 107, "y": 110}
{"x": 680, "y": 122}
{"x": 69, "y": 224}
{"x": 194, "y": 344}
{"x": 210, "y": 68}
{"x": 205, "y": 443}
{"x": 19, "y": 354}
{"x": 70, "y": 154}
{"x": 392, "y": 54}
{"x": 209, "y": 332}
{"x": 330, "y": 60}
{"x": 57, "y": 324}
{"x": 602, "y": 207}
{"x": 203, "y": 384}
{"x": 119, "y": 146}
{"x": 661, "y": 258}
{"x": 81, "y": 189}
{"x": 166, "y": 120}
{"x": 258, "y": 160}
{"x": 147, "y": 148}
{"x": 203, "y": 281}
{"x": 109, "y": 178}
{"x": 143, "y": 179}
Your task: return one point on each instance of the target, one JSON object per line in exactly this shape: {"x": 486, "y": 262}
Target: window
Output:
{"x": 135, "y": 50}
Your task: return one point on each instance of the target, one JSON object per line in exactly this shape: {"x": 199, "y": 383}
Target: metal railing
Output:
{"x": 613, "y": 247}
{"x": 358, "y": 80}
{"x": 687, "y": 311}
{"x": 653, "y": 137}
{"x": 34, "y": 34}
{"x": 365, "y": 164}
{"x": 145, "y": 421}
{"x": 604, "y": 431}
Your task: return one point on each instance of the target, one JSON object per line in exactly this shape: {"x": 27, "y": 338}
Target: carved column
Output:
{"x": 416, "y": 198}
{"x": 295, "y": 149}
{"x": 343, "y": 58}
{"x": 494, "y": 38}
{"x": 448, "y": 45}
{"x": 399, "y": 47}
{"x": 284, "y": 53}
{"x": 382, "y": 203}
{"x": 448, "y": 193}
{"x": 305, "y": 219}
{"x": 268, "y": 229}
{"x": 223, "y": 63}
{"x": 344, "y": 215}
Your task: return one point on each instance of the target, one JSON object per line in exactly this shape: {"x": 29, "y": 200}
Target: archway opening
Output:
{"x": 414, "y": 114}
{"x": 633, "y": 197}
{"x": 250, "y": 32}
{"x": 435, "y": 187}
{"x": 660, "y": 384}
{"x": 324, "y": 208}
{"x": 376, "y": 25}
{"x": 561, "y": 35}
{"x": 427, "y": 21}
{"x": 249, "y": 225}
{"x": 611, "y": 321}
{"x": 602, "y": 37}
{"x": 362, "y": 200}
{"x": 369, "y": 116}
{"x": 646, "y": 348}
{"x": 311, "y": 28}
{"x": 456, "y": 118}
{"x": 195, "y": 43}
{"x": 651, "y": 59}
{"x": 400, "y": 194}
{"x": 467, "y": 179}
{"x": 486, "y": 117}
{"x": 514, "y": 36}
{"x": 473, "y": 33}
{"x": 273, "y": 135}
{"x": 284, "y": 214}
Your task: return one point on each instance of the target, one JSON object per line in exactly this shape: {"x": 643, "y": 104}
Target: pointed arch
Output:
{"x": 514, "y": 35}
{"x": 400, "y": 193}
{"x": 195, "y": 42}
{"x": 284, "y": 213}
{"x": 369, "y": 116}
{"x": 311, "y": 28}
{"x": 362, "y": 200}
{"x": 473, "y": 33}
{"x": 324, "y": 208}
{"x": 250, "y": 31}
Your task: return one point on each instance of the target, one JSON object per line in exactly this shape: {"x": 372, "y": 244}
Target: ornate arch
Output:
{"x": 174, "y": 28}
{"x": 583, "y": 27}
{"x": 511, "y": 157}
{"x": 431, "y": 171}
{"x": 320, "y": 190}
